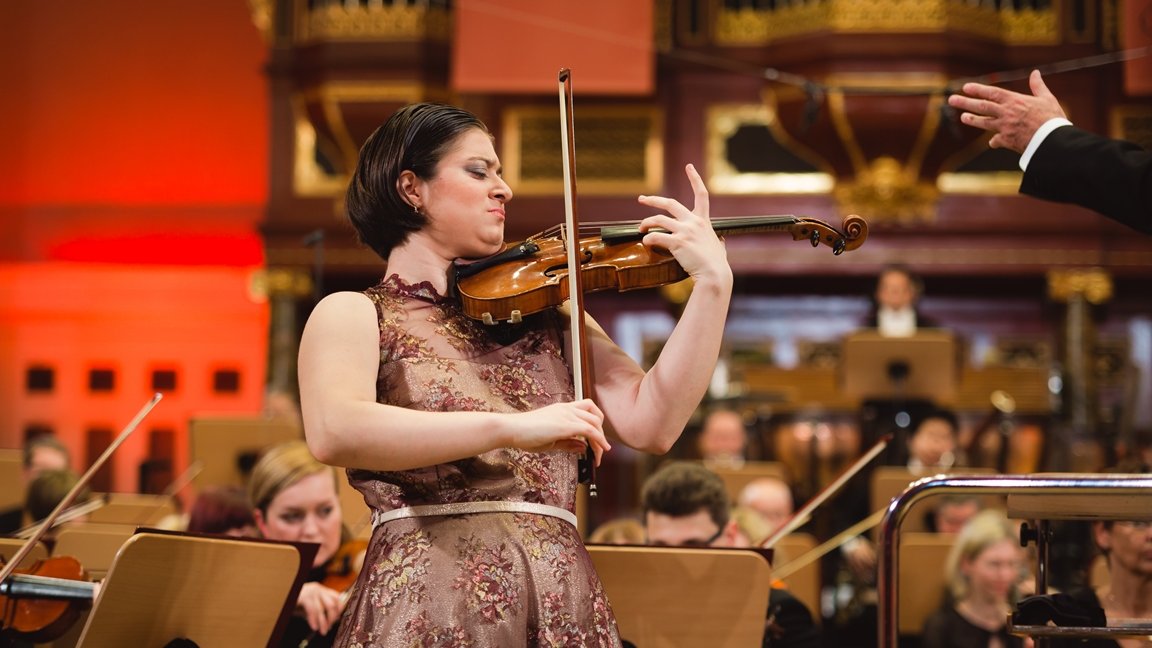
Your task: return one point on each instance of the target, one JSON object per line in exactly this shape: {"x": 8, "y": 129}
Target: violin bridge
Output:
{"x": 516, "y": 317}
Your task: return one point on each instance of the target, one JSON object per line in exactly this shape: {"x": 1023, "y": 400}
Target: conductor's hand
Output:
{"x": 687, "y": 233}
{"x": 1011, "y": 116}
{"x": 322, "y": 606}
{"x": 561, "y": 426}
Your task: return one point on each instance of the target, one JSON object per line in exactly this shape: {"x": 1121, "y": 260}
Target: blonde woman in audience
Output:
{"x": 983, "y": 570}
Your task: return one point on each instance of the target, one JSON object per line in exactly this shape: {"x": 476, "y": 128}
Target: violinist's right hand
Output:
{"x": 322, "y": 606}
{"x": 561, "y": 426}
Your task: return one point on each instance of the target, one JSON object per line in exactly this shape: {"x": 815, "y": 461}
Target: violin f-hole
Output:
{"x": 551, "y": 270}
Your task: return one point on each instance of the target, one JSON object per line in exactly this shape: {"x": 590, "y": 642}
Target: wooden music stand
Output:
{"x": 9, "y": 546}
{"x": 922, "y": 366}
{"x": 665, "y": 597}
{"x": 923, "y": 583}
{"x": 214, "y": 592}
{"x": 221, "y": 442}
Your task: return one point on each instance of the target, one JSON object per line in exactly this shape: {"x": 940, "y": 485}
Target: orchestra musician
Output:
{"x": 464, "y": 437}
{"x": 294, "y": 498}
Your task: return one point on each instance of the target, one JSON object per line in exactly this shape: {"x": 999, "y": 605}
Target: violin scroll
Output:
{"x": 855, "y": 232}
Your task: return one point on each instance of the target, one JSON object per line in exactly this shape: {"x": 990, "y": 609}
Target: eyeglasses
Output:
{"x": 1139, "y": 525}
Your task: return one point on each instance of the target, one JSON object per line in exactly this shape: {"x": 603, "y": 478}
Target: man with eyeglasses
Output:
{"x": 686, "y": 505}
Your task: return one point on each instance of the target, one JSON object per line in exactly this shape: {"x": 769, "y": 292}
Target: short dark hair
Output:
{"x": 683, "y": 488}
{"x": 948, "y": 416}
{"x": 415, "y": 138}
{"x": 900, "y": 268}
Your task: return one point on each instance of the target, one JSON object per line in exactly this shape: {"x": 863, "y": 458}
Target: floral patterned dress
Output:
{"x": 481, "y": 580}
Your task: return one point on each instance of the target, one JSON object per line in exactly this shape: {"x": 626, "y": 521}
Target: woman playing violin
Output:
{"x": 294, "y": 498}
{"x": 463, "y": 437}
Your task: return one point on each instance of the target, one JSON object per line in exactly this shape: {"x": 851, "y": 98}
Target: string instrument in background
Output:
{"x": 41, "y": 602}
{"x": 531, "y": 276}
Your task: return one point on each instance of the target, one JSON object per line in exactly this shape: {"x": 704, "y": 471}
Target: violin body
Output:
{"x": 45, "y": 618}
{"x": 531, "y": 276}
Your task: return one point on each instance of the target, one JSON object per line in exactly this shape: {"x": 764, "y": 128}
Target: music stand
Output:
{"x": 897, "y": 376}
{"x": 212, "y": 591}
{"x": 900, "y": 368}
{"x": 666, "y": 597}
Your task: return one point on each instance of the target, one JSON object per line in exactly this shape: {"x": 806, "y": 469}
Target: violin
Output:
{"x": 530, "y": 276}
{"x": 40, "y": 603}
{"x": 344, "y": 566}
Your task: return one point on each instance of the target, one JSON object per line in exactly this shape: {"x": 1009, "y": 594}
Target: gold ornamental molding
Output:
{"x": 1093, "y": 284}
{"x": 262, "y": 17}
{"x": 619, "y": 150}
{"x": 724, "y": 122}
{"x": 376, "y": 20}
{"x": 279, "y": 282}
{"x": 752, "y": 26}
{"x": 339, "y": 146}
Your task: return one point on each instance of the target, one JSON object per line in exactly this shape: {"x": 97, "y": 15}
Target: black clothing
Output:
{"x": 947, "y": 628}
{"x": 789, "y": 623}
{"x": 1109, "y": 176}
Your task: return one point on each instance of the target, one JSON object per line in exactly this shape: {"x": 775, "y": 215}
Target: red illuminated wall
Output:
{"x": 132, "y": 181}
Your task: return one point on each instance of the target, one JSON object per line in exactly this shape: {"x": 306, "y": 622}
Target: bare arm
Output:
{"x": 1012, "y": 117}
{"x": 345, "y": 426}
{"x": 648, "y": 411}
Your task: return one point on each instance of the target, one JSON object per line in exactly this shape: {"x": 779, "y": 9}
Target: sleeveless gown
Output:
{"x": 480, "y": 580}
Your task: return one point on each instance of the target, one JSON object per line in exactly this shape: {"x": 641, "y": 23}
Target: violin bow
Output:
{"x": 581, "y": 381}
{"x": 800, "y": 517}
{"x": 48, "y": 522}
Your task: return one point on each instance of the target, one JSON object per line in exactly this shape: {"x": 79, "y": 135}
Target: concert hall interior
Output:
{"x": 172, "y": 193}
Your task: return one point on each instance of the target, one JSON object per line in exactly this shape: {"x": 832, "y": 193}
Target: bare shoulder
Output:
{"x": 343, "y": 309}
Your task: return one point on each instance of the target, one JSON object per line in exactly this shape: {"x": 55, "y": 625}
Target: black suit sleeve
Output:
{"x": 1111, "y": 177}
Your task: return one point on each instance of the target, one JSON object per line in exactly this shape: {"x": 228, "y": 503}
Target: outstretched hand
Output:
{"x": 686, "y": 233}
{"x": 1012, "y": 117}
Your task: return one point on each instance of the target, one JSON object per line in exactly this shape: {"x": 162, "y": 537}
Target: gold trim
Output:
{"x": 514, "y": 162}
{"x": 309, "y": 179}
{"x": 1094, "y": 284}
{"x": 376, "y": 21}
{"x": 722, "y": 120}
{"x": 262, "y": 13}
{"x": 1117, "y": 129}
{"x": 275, "y": 282}
{"x": 1003, "y": 183}
{"x": 749, "y": 26}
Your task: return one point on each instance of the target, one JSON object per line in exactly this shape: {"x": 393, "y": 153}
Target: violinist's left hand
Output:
{"x": 689, "y": 236}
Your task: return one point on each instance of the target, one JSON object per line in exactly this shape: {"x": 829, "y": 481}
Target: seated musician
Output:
{"x": 686, "y": 505}
{"x": 294, "y": 498}
{"x": 983, "y": 572}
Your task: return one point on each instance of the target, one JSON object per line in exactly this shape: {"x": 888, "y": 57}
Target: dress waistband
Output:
{"x": 468, "y": 508}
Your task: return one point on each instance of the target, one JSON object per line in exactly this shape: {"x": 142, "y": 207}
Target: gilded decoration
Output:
{"x": 750, "y": 26}
{"x": 376, "y": 21}
{"x": 883, "y": 186}
{"x": 276, "y": 282}
{"x": 889, "y": 191}
{"x": 1093, "y": 284}
{"x": 618, "y": 150}
{"x": 1132, "y": 123}
{"x": 725, "y": 123}
{"x": 326, "y": 147}
{"x": 262, "y": 17}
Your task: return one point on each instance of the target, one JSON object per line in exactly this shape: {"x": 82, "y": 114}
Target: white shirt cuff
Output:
{"x": 1038, "y": 137}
